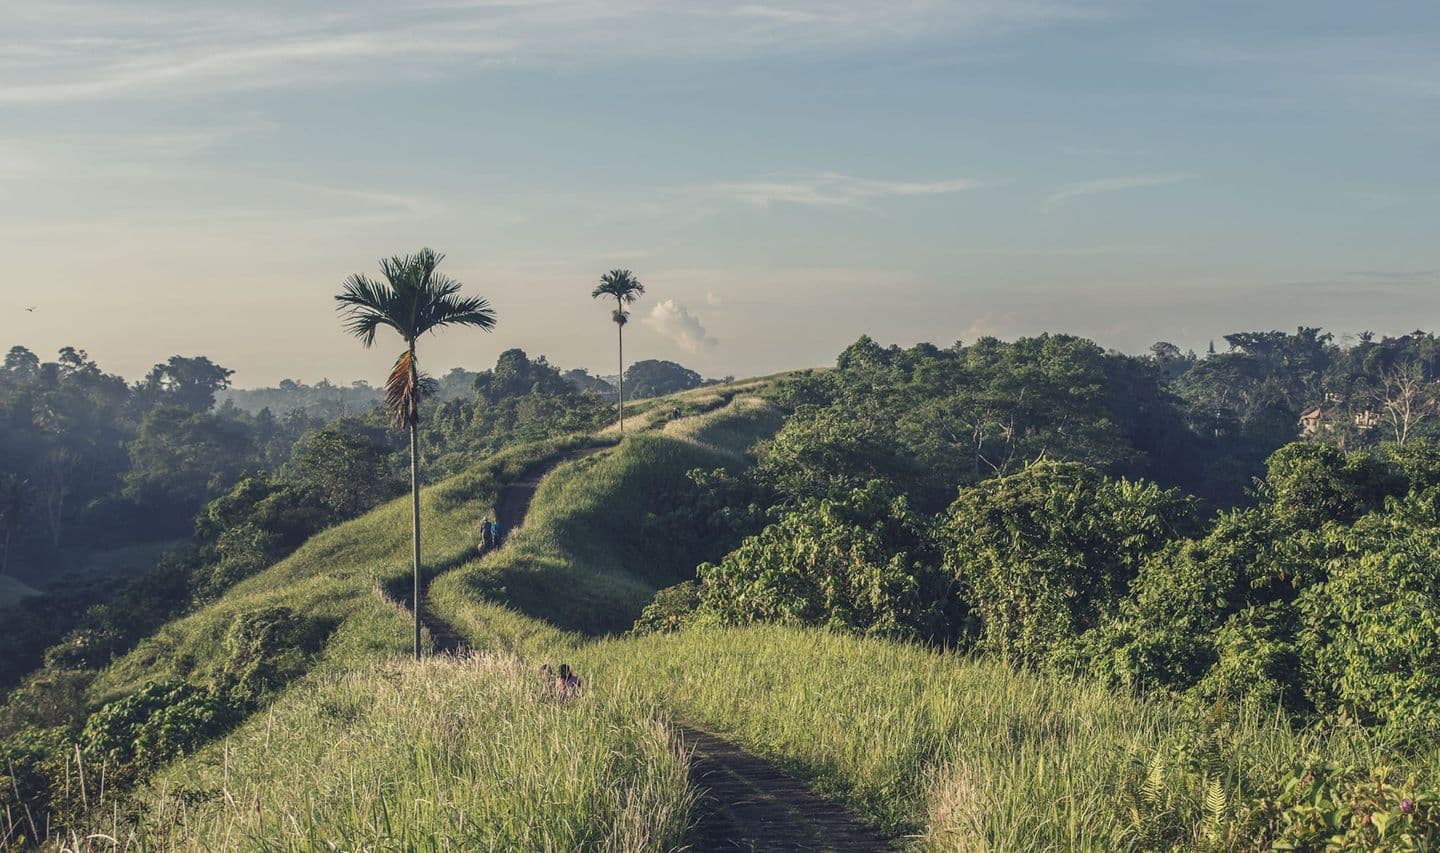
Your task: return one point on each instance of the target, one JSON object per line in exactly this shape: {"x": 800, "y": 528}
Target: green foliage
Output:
{"x": 161, "y": 721}
{"x": 1042, "y": 555}
{"x": 1371, "y": 636}
{"x": 349, "y": 471}
{"x": 517, "y": 375}
{"x": 824, "y": 453}
{"x": 264, "y": 650}
{"x": 180, "y": 459}
{"x": 1310, "y": 484}
{"x": 863, "y": 563}
{"x": 189, "y": 383}
{"x": 1339, "y": 807}
{"x": 656, "y": 378}
{"x": 671, "y": 609}
{"x": 1322, "y": 599}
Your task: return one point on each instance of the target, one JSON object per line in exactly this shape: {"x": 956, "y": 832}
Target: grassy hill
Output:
{"x": 950, "y": 752}
{"x": 596, "y": 545}
{"x": 337, "y": 578}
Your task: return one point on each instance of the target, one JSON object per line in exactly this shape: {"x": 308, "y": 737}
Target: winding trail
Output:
{"x": 746, "y": 803}
{"x": 511, "y": 506}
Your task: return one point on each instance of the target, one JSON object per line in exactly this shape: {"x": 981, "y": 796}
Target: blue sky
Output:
{"x": 198, "y": 178}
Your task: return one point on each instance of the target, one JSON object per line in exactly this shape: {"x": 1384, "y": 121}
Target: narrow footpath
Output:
{"x": 746, "y": 803}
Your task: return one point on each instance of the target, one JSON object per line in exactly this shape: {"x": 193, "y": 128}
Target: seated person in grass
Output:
{"x": 567, "y": 683}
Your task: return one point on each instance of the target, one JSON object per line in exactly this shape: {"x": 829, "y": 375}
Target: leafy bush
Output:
{"x": 1337, "y": 807}
{"x": 670, "y": 610}
{"x": 161, "y": 721}
{"x": 1043, "y": 554}
{"x": 264, "y": 651}
{"x": 1371, "y": 638}
{"x": 863, "y": 563}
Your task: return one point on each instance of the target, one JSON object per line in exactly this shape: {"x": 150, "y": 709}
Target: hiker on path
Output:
{"x": 487, "y": 535}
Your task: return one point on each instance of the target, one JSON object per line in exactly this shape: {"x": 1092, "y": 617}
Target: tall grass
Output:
{"x": 966, "y": 754}
{"x": 451, "y": 754}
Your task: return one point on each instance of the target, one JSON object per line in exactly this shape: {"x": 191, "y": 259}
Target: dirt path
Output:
{"x": 514, "y": 499}
{"x": 747, "y": 803}
{"x": 511, "y": 505}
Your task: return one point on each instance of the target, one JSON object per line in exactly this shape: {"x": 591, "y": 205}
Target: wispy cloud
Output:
{"x": 1070, "y": 192}
{"x": 828, "y": 189}
{"x": 63, "y": 51}
{"x": 673, "y": 320}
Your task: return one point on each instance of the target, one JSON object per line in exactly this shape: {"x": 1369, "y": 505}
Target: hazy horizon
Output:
{"x": 198, "y": 178}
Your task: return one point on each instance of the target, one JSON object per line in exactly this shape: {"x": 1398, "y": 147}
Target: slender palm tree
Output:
{"x": 413, "y": 299}
{"x": 624, "y": 288}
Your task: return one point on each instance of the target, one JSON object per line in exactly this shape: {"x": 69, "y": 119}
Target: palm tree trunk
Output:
{"x": 620, "y": 330}
{"x": 415, "y": 505}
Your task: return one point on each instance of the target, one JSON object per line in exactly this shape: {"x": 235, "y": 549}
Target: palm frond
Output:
{"x": 366, "y": 305}
{"x": 621, "y": 285}
{"x": 413, "y": 298}
{"x": 447, "y": 309}
{"x": 404, "y": 388}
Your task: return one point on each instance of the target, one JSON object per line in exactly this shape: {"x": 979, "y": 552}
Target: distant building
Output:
{"x": 1324, "y": 417}
{"x": 1316, "y": 419}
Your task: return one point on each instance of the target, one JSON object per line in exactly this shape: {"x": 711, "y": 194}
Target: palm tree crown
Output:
{"x": 413, "y": 299}
{"x": 623, "y": 287}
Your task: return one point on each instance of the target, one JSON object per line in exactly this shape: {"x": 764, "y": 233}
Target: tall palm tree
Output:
{"x": 413, "y": 299}
{"x": 625, "y": 288}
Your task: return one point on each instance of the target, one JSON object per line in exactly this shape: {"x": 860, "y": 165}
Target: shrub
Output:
{"x": 670, "y": 610}
{"x": 1041, "y": 555}
{"x": 161, "y": 721}
{"x": 1371, "y": 636}
{"x": 1336, "y": 807}
{"x": 863, "y": 563}
{"x": 264, "y": 651}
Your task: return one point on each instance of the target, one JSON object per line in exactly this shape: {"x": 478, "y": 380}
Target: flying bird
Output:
{"x": 31, "y": 309}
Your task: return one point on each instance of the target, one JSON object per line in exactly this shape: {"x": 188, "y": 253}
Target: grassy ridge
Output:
{"x": 469, "y": 754}
{"x": 594, "y": 547}
{"x": 337, "y": 577}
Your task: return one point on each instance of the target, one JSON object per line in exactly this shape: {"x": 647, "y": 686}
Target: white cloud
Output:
{"x": 674, "y": 321}
{"x": 1069, "y": 192}
{"x": 67, "y": 51}
{"x": 827, "y": 189}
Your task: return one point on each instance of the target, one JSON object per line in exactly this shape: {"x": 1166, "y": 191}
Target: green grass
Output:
{"x": 337, "y": 577}
{"x": 595, "y": 545}
{"x": 468, "y": 754}
{"x": 961, "y": 754}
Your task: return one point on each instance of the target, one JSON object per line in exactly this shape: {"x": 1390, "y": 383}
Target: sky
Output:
{"x": 197, "y": 178}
